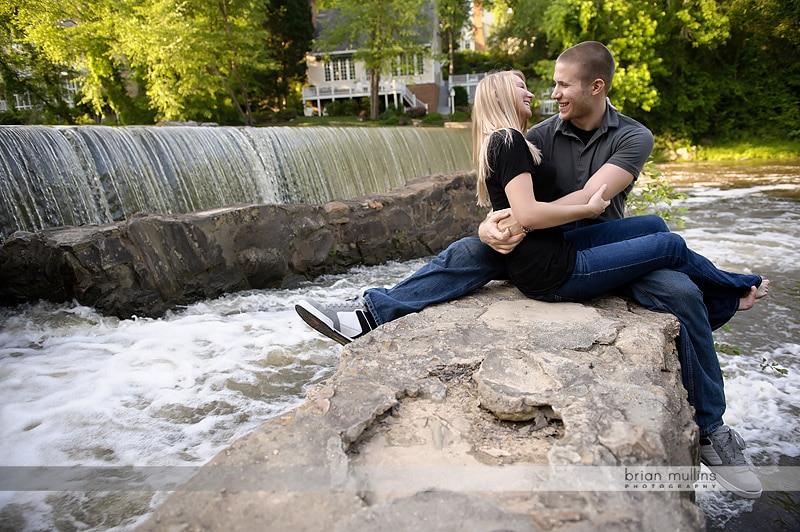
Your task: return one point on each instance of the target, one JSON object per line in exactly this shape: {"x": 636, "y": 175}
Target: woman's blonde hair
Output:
{"x": 495, "y": 109}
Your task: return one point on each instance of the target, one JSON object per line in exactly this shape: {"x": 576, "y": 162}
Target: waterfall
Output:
{"x": 76, "y": 175}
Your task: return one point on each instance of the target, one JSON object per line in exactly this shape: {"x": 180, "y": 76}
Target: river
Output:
{"x": 80, "y": 389}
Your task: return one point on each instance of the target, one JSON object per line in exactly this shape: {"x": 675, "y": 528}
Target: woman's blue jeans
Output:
{"x": 612, "y": 254}
{"x": 468, "y": 264}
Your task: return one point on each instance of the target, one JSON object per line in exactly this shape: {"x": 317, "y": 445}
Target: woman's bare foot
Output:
{"x": 749, "y": 301}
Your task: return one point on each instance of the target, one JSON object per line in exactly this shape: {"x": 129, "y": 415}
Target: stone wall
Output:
{"x": 492, "y": 412}
{"x": 152, "y": 263}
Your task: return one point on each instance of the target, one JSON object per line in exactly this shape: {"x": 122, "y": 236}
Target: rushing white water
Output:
{"x": 746, "y": 218}
{"x": 77, "y": 388}
{"x": 55, "y": 176}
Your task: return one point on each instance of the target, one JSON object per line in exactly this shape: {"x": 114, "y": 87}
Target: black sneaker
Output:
{"x": 342, "y": 322}
{"x": 721, "y": 452}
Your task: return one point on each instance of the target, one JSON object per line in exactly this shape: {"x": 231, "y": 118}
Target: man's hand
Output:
{"x": 597, "y": 203}
{"x": 500, "y": 231}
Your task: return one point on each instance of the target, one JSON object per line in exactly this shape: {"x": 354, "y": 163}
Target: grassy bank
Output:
{"x": 749, "y": 150}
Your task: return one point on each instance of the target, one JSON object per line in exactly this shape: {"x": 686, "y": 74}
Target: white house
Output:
{"x": 414, "y": 80}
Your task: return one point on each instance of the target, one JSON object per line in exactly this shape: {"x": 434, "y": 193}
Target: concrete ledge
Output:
{"x": 458, "y": 125}
{"x": 493, "y": 412}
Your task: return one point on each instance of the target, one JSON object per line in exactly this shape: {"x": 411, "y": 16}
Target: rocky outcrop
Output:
{"x": 493, "y": 412}
{"x": 152, "y": 263}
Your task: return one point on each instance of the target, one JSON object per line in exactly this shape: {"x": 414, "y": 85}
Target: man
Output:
{"x": 591, "y": 144}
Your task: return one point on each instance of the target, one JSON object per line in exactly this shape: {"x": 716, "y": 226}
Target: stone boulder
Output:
{"x": 152, "y": 263}
{"x": 493, "y": 412}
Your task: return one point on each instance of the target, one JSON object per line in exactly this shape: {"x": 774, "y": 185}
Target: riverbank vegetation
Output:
{"x": 745, "y": 150}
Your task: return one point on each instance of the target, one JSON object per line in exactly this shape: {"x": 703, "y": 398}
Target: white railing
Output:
{"x": 465, "y": 80}
{"x": 392, "y": 87}
{"x": 468, "y": 81}
{"x": 547, "y": 106}
{"x": 312, "y": 93}
{"x": 412, "y": 99}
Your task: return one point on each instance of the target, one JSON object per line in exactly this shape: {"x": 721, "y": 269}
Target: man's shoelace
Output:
{"x": 732, "y": 446}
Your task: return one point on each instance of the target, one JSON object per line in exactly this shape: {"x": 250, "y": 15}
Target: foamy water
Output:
{"x": 77, "y": 388}
{"x": 756, "y": 229}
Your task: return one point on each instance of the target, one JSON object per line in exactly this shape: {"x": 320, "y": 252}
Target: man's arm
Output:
{"x": 615, "y": 178}
{"x": 502, "y": 233}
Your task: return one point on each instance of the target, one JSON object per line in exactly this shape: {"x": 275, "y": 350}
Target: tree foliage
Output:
{"x": 289, "y": 36}
{"x": 453, "y": 17}
{"x": 190, "y": 59}
{"x": 690, "y": 70}
{"x": 26, "y": 71}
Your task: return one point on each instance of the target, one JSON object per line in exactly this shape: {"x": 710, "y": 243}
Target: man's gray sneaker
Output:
{"x": 342, "y": 322}
{"x": 722, "y": 452}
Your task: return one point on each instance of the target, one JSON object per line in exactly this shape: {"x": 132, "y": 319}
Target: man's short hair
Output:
{"x": 594, "y": 59}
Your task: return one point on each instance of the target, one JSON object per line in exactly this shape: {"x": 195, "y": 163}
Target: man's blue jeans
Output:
{"x": 468, "y": 264}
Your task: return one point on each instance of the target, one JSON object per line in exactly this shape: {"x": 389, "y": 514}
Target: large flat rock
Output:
{"x": 493, "y": 412}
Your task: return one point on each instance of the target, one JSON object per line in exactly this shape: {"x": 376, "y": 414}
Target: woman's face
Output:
{"x": 523, "y": 98}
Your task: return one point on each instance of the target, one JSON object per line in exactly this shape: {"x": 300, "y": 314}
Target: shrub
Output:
{"x": 287, "y": 114}
{"x": 433, "y": 119}
{"x": 342, "y": 108}
{"x": 460, "y": 116}
{"x": 654, "y": 194}
{"x": 416, "y": 112}
{"x": 461, "y": 96}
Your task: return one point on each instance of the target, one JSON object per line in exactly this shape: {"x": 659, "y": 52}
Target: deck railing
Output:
{"x": 359, "y": 90}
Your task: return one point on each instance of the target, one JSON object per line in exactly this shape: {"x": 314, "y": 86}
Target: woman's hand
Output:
{"x": 500, "y": 231}
{"x": 596, "y": 203}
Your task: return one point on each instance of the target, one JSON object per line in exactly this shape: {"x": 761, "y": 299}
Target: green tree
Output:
{"x": 627, "y": 28}
{"x": 453, "y": 17}
{"x": 757, "y": 72}
{"x": 290, "y": 34}
{"x": 691, "y": 34}
{"x": 55, "y": 31}
{"x": 380, "y": 31}
{"x": 196, "y": 56}
{"x": 520, "y": 32}
{"x": 189, "y": 60}
{"x": 25, "y": 71}
{"x": 690, "y": 70}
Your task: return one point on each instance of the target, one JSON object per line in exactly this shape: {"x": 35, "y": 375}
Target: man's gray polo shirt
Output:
{"x": 620, "y": 140}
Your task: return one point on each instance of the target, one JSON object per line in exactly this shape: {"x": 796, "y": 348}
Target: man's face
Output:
{"x": 574, "y": 100}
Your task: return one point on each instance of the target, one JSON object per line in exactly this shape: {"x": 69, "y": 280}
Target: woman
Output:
{"x": 549, "y": 264}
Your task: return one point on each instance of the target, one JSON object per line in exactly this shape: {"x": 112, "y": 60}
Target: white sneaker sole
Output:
{"x": 320, "y": 323}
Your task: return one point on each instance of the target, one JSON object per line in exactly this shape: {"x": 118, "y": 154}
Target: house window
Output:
{"x": 408, "y": 65}
{"x": 340, "y": 69}
{"x": 23, "y": 101}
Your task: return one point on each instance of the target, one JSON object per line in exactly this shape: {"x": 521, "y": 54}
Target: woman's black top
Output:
{"x": 544, "y": 260}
